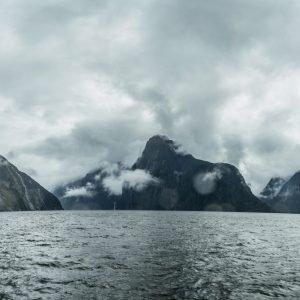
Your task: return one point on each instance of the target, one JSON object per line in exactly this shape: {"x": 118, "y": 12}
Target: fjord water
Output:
{"x": 149, "y": 255}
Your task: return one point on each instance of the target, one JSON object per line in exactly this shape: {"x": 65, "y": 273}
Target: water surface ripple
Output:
{"x": 149, "y": 255}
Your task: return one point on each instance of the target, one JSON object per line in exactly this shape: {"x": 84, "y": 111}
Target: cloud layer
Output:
{"x": 88, "y": 81}
{"x": 113, "y": 178}
{"x": 137, "y": 180}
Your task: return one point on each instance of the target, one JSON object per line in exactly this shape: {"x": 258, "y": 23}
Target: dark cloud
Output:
{"x": 88, "y": 81}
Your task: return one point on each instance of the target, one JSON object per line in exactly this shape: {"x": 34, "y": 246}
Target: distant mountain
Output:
{"x": 163, "y": 178}
{"x": 272, "y": 189}
{"x": 18, "y": 191}
{"x": 288, "y": 198}
{"x": 88, "y": 192}
{"x": 188, "y": 183}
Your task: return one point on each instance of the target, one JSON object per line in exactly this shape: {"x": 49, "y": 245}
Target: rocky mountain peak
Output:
{"x": 180, "y": 182}
{"x": 160, "y": 152}
{"x": 273, "y": 187}
{"x": 161, "y": 144}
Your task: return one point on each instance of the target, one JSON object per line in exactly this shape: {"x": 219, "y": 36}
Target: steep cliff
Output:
{"x": 178, "y": 182}
{"x": 288, "y": 199}
{"x": 188, "y": 183}
{"x": 18, "y": 191}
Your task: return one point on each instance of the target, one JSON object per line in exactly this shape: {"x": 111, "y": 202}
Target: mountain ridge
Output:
{"x": 176, "y": 181}
{"x": 18, "y": 191}
{"x": 271, "y": 190}
{"x": 288, "y": 198}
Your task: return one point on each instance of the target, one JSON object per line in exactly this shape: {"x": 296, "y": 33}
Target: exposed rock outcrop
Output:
{"x": 180, "y": 182}
{"x": 18, "y": 191}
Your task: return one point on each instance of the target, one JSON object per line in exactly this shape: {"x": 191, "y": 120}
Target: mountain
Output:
{"x": 88, "y": 192}
{"x": 18, "y": 191}
{"x": 163, "y": 178}
{"x": 288, "y": 199}
{"x": 272, "y": 189}
{"x": 188, "y": 183}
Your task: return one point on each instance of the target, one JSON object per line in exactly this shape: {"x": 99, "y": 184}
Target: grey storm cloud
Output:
{"x": 88, "y": 81}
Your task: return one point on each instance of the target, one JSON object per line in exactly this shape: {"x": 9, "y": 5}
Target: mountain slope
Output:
{"x": 18, "y": 191}
{"x": 272, "y": 189}
{"x": 172, "y": 180}
{"x": 86, "y": 193}
{"x": 188, "y": 183}
{"x": 288, "y": 199}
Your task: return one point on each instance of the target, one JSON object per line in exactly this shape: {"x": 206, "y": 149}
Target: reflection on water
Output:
{"x": 149, "y": 255}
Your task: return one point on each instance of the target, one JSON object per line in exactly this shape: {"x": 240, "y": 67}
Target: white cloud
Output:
{"x": 137, "y": 180}
{"x": 88, "y": 81}
{"x": 78, "y": 192}
{"x": 206, "y": 183}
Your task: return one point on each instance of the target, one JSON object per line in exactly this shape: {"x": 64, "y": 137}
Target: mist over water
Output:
{"x": 149, "y": 255}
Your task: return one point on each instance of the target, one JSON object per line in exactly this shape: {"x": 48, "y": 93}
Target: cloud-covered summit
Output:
{"x": 88, "y": 81}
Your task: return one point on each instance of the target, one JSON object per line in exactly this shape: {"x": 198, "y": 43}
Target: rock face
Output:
{"x": 288, "y": 199}
{"x": 18, "y": 191}
{"x": 272, "y": 189}
{"x": 181, "y": 183}
{"x": 188, "y": 183}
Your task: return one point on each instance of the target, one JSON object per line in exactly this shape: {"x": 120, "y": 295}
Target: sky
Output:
{"x": 84, "y": 82}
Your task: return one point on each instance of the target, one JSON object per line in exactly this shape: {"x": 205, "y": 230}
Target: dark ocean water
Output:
{"x": 149, "y": 255}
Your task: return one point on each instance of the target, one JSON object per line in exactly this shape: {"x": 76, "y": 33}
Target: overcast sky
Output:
{"x": 87, "y": 81}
